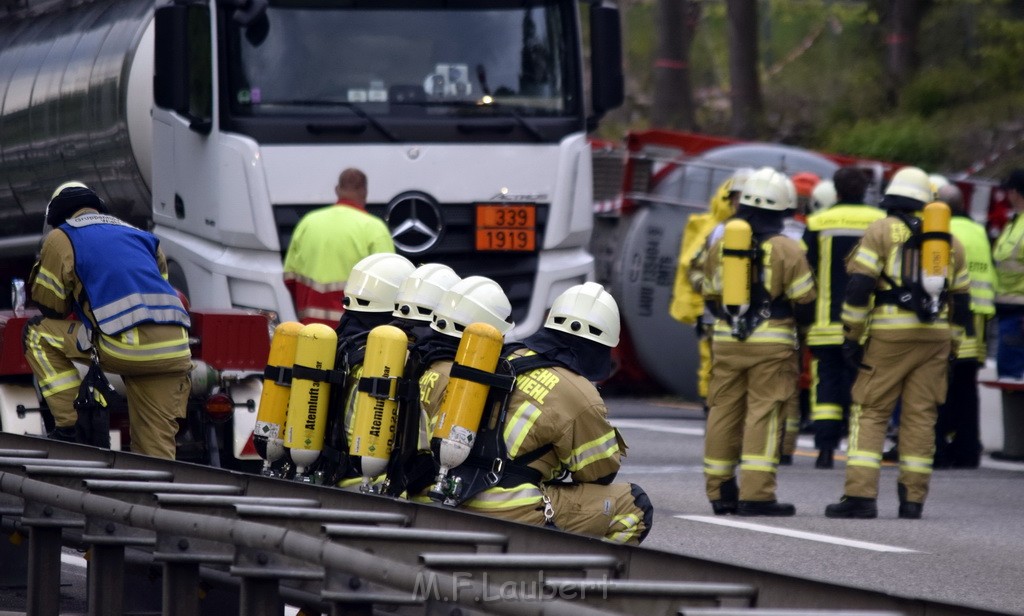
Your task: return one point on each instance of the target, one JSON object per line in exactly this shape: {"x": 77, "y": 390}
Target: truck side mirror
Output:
{"x": 607, "y": 87}
{"x": 183, "y": 63}
{"x": 170, "y": 60}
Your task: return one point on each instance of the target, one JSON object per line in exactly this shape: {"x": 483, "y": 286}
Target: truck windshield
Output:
{"x": 382, "y": 58}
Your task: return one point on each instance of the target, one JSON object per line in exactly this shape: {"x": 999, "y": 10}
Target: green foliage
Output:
{"x": 965, "y": 101}
{"x": 1001, "y": 51}
{"x": 938, "y": 87}
{"x": 908, "y": 139}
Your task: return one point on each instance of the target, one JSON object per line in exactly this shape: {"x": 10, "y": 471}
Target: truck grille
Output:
{"x": 514, "y": 271}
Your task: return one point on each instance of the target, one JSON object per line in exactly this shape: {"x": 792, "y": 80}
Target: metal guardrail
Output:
{"x": 341, "y": 552}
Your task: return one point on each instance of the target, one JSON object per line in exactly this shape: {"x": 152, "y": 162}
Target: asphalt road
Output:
{"x": 968, "y": 548}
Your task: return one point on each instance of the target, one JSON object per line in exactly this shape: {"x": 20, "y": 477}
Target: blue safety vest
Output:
{"x": 125, "y": 287}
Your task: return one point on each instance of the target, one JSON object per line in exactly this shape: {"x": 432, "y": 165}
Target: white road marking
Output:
{"x": 653, "y": 427}
{"x": 73, "y": 561}
{"x": 864, "y": 545}
{"x": 649, "y": 469}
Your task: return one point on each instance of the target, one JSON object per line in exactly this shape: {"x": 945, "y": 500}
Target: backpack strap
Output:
{"x": 488, "y": 464}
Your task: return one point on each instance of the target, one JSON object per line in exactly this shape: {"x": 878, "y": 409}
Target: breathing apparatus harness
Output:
{"x": 911, "y": 294}
{"x": 488, "y": 464}
{"x": 745, "y": 318}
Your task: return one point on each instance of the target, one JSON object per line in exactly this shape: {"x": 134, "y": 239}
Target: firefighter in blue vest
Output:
{"x": 831, "y": 235}
{"x": 113, "y": 277}
{"x": 911, "y": 303}
{"x": 759, "y": 285}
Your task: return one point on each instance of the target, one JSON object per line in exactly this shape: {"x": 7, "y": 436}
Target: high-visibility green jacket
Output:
{"x": 978, "y": 251}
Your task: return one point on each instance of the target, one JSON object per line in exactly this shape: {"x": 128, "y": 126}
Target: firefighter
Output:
{"x": 958, "y": 444}
{"x": 561, "y": 454}
{"x": 687, "y": 304}
{"x": 831, "y": 236}
{"x": 916, "y": 291}
{"x": 411, "y": 468}
{"x": 823, "y": 197}
{"x": 1008, "y": 255}
{"x": 795, "y": 409}
{"x": 759, "y": 284}
{"x": 474, "y": 299}
{"x": 113, "y": 277}
{"x": 369, "y": 301}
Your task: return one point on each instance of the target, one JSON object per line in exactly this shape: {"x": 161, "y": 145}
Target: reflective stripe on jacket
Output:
{"x": 831, "y": 236}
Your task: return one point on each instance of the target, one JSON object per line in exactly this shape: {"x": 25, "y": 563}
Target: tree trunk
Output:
{"x": 745, "y": 86}
{"x": 672, "y": 105}
{"x": 902, "y": 19}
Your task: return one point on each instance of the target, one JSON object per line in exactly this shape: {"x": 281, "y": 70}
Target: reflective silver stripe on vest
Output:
{"x": 841, "y": 233}
{"x": 170, "y": 350}
{"x": 134, "y": 309}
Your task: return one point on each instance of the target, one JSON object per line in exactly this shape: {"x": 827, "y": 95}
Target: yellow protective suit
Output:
{"x": 687, "y": 304}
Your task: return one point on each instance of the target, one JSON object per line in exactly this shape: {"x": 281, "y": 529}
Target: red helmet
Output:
{"x": 805, "y": 182}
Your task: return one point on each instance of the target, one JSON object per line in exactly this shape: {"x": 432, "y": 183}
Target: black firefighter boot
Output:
{"x": 827, "y": 433}
{"x": 825, "y": 459}
{"x": 766, "y": 508}
{"x": 729, "y": 494}
{"x": 908, "y": 510}
{"x": 853, "y": 507}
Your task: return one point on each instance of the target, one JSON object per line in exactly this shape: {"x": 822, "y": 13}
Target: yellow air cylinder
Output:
{"x": 268, "y": 435}
{"x": 376, "y": 418}
{"x": 462, "y": 404}
{"x": 736, "y": 267}
{"x": 935, "y": 252}
{"x": 307, "y": 405}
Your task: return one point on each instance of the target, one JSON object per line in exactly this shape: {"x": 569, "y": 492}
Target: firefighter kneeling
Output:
{"x": 549, "y": 456}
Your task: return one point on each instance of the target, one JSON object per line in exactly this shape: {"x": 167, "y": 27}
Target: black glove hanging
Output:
{"x": 93, "y": 406}
{"x": 853, "y": 354}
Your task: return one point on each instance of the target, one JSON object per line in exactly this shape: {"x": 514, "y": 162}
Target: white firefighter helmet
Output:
{"x": 739, "y": 179}
{"x": 912, "y": 183}
{"x": 79, "y": 196}
{"x": 937, "y": 181}
{"x": 421, "y": 291}
{"x": 768, "y": 189}
{"x": 823, "y": 196}
{"x": 373, "y": 283}
{"x": 71, "y": 184}
{"x": 588, "y": 311}
{"x": 475, "y": 299}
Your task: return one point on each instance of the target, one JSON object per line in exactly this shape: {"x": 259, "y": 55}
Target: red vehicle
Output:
{"x": 229, "y": 352}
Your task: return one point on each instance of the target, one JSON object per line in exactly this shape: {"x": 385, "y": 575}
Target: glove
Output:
{"x": 92, "y": 405}
{"x": 853, "y": 353}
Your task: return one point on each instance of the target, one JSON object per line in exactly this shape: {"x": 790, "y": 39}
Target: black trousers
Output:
{"x": 831, "y": 397}
{"x": 957, "y": 439}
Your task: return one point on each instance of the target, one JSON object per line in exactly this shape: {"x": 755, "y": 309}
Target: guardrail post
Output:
{"x": 260, "y": 597}
{"x": 181, "y": 589}
{"x": 106, "y": 580}
{"x": 44, "y": 544}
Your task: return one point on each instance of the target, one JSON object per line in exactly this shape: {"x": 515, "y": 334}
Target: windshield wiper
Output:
{"x": 356, "y": 109}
